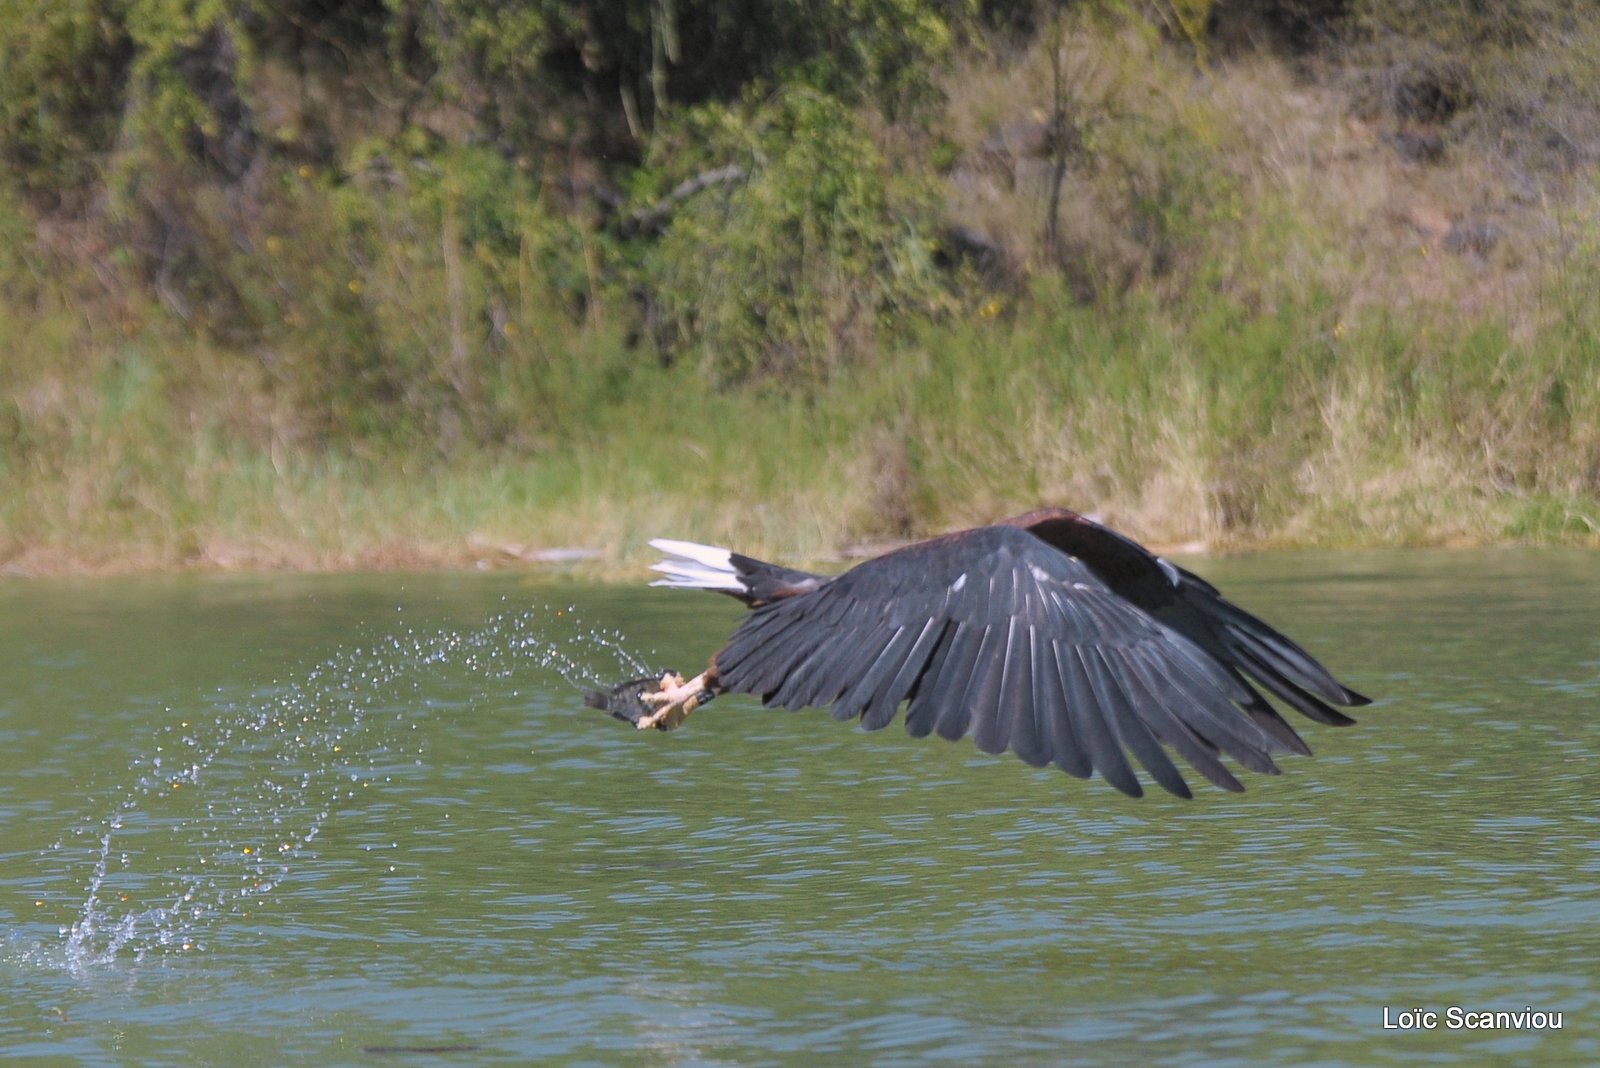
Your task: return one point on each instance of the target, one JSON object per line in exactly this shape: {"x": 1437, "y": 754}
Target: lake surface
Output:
{"x": 366, "y": 820}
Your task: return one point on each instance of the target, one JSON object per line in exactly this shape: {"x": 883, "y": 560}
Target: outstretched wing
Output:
{"x": 993, "y": 633}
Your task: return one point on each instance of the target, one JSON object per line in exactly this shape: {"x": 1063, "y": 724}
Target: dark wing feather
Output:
{"x": 1030, "y": 727}
{"x": 1133, "y": 725}
{"x": 1234, "y": 636}
{"x": 879, "y": 669}
{"x": 940, "y": 698}
{"x": 1051, "y": 722}
{"x": 1166, "y": 723}
{"x": 1087, "y": 721}
{"x": 997, "y": 731}
{"x": 886, "y": 699}
{"x": 976, "y": 706}
{"x": 996, "y": 633}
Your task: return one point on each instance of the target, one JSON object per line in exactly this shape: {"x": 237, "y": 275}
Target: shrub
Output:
{"x": 802, "y": 267}
{"x": 63, "y": 69}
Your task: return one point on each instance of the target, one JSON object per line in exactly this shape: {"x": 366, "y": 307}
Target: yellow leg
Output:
{"x": 673, "y": 701}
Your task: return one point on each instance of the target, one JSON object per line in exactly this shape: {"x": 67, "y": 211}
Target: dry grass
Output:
{"x": 1435, "y": 384}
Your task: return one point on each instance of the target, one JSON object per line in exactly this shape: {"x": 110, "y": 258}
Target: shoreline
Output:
{"x": 565, "y": 562}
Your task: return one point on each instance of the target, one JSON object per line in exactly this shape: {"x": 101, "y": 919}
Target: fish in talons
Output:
{"x": 660, "y": 702}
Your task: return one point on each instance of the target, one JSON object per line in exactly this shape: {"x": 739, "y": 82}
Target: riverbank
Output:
{"x": 1232, "y": 297}
{"x": 1278, "y": 431}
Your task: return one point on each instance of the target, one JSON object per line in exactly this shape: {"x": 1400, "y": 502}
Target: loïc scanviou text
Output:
{"x": 1457, "y": 1018}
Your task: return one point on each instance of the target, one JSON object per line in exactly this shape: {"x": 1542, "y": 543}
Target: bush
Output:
{"x": 801, "y": 268}
{"x": 63, "y": 70}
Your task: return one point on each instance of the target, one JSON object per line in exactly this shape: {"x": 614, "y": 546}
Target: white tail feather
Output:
{"x": 695, "y": 567}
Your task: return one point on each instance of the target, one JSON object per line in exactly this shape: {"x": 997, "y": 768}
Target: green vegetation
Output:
{"x": 401, "y": 283}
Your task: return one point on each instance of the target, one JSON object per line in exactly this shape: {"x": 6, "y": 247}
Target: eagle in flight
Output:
{"x": 1048, "y": 634}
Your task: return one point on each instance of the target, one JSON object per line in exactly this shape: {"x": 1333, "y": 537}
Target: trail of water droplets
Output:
{"x": 233, "y": 793}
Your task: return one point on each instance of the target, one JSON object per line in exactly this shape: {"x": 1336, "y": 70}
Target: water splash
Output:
{"x": 233, "y": 793}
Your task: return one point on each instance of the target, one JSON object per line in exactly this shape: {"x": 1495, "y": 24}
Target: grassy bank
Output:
{"x": 1257, "y": 320}
{"x": 1294, "y": 428}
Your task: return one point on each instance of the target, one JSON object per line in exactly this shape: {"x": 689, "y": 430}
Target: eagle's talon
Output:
{"x": 662, "y": 696}
{"x": 673, "y": 701}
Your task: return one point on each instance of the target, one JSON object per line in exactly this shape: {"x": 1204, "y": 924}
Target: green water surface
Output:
{"x": 261, "y": 820}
